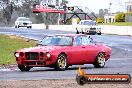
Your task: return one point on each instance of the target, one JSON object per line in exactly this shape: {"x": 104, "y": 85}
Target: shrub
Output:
{"x": 100, "y": 20}
{"x": 120, "y": 17}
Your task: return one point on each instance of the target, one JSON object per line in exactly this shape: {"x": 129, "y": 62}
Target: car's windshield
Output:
{"x": 88, "y": 23}
{"x": 23, "y": 19}
{"x": 56, "y": 41}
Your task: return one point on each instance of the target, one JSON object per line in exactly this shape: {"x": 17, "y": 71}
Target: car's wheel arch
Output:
{"x": 101, "y": 52}
{"x": 64, "y": 53}
{"x": 97, "y": 54}
{"x": 57, "y": 55}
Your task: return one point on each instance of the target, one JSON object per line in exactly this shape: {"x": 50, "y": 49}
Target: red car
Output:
{"x": 63, "y": 50}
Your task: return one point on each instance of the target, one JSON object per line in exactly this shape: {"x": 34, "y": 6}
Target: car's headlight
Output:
{"x": 16, "y": 23}
{"x": 16, "y": 54}
{"x": 20, "y": 23}
{"x": 48, "y": 55}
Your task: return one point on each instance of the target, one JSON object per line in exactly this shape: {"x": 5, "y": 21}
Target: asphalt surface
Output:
{"x": 120, "y": 61}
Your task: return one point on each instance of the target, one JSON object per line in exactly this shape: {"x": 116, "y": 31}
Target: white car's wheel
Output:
{"x": 15, "y": 26}
{"x": 99, "y": 33}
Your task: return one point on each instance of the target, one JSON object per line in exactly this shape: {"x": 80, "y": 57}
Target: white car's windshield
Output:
{"x": 56, "y": 41}
{"x": 88, "y": 23}
{"x": 23, "y": 19}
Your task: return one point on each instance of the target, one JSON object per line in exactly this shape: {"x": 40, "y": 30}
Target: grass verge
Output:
{"x": 118, "y": 24}
{"x": 9, "y": 44}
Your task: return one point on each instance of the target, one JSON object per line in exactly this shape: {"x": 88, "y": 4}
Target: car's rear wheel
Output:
{"x": 15, "y": 26}
{"x": 100, "y": 60}
{"x": 77, "y": 32}
{"x": 24, "y": 68}
{"x": 99, "y": 33}
{"x": 61, "y": 63}
{"x": 82, "y": 32}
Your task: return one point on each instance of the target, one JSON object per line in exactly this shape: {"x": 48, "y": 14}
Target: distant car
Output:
{"x": 63, "y": 50}
{"x": 88, "y": 27}
{"x": 23, "y": 22}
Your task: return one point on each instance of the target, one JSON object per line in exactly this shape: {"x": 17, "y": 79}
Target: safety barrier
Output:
{"x": 105, "y": 29}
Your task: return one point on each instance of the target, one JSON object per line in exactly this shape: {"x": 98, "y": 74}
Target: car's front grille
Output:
{"x": 32, "y": 56}
{"x": 92, "y": 28}
{"x": 25, "y": 23}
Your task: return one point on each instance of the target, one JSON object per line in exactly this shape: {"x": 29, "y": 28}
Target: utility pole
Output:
{"x": 59, "y": 13}
{"x": 109, "y": 6}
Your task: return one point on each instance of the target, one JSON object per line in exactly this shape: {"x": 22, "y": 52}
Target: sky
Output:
{"x": 95, "y": 5}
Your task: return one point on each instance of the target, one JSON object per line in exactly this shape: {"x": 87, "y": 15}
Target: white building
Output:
{"x": 128, "y": 6}
{"x": 128, "y": 16}
{"x": 109, "y": 18}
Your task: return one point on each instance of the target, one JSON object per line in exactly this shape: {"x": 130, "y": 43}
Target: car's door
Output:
{"x": 90, "y": 48}
{"x": 78, "y": 54}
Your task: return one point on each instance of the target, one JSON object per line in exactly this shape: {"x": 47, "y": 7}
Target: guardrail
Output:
{"x": 105, "y": 29}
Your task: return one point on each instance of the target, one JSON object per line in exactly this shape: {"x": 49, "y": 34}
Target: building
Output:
{"x": 128, "y": 6}
{"x": 128, "y": 15}
{"x": 109, "y": 18}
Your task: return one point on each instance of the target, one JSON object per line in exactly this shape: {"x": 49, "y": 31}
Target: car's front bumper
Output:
{"x": 33, "y": 59}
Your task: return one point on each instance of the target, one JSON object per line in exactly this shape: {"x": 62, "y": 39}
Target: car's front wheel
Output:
{"x": 29, "y": 27}
{"x": 24, "y": 68}
{"x": 61, "y": 63}
{"x": 100, "y": 60}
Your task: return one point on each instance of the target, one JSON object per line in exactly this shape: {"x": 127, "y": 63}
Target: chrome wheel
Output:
{"x": 100, "y": 61}
{"x": 61, "y": 62}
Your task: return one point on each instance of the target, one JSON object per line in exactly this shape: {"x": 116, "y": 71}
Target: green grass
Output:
{"x": 118, "y": 24}
{"x": 9, "y": 44}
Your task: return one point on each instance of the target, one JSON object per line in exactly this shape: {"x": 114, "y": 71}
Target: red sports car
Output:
{"x": 63, "y": 50}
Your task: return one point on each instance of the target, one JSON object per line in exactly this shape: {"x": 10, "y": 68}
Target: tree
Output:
{"x": 7, "y": 8}
{"x": 102, "y": 12}
{"x": 120, "y": 17}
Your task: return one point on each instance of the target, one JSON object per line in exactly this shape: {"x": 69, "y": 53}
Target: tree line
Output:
{"x": 11, "y": 9}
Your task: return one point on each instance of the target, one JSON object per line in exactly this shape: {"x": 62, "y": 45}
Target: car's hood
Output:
{"x": 25, "y": 21}
{"x": 40, "y": 49}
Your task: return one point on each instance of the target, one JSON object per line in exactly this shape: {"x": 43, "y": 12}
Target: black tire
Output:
{"x": 77, "y": 32}
{"x": 81, "y": 80}
{"x": 99, "y": 33}
{"x": 15, "y": 26}
{"x": 24, "y": 68}
{"x": 29, "y": 27}
{"x": 100, "y": 60}
{"x": 61, "y": 63}
{"x": 18, "y": 26}
{"x": 82, "y": 32}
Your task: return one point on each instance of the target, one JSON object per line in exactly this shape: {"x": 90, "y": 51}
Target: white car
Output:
{"x": 88, "y": 27}
{"x": 23, "y": 22}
